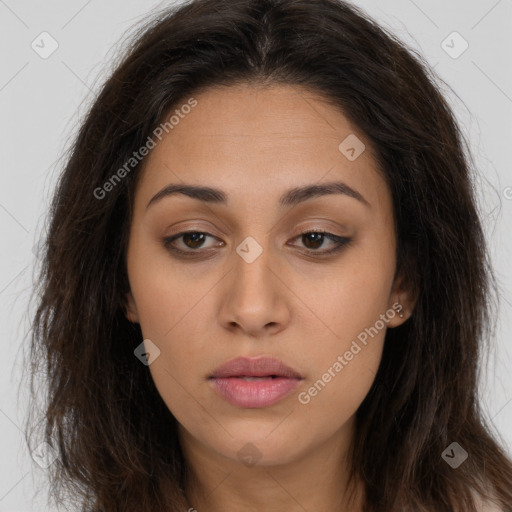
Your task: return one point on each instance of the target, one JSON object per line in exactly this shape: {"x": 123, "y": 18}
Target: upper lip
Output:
{"x": 255, "y": 367}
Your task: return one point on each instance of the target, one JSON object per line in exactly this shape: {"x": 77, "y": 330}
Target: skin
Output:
{"x": 255, "y": 143}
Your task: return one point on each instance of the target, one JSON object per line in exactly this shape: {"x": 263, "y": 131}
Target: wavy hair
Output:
{"x": 115, "y": 439}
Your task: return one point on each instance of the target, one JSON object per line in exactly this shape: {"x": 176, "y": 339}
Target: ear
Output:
{"x": 402, "y": 301}
{"x": 130, "y": 308}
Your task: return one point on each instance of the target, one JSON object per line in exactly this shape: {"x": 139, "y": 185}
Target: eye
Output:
{"x": 191, "y": 240}
{"x": 313, "y": 240}
{"x": 192, "y": 243}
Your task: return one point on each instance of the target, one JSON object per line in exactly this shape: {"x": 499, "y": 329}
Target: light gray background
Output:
{"x": 42, "y": 100}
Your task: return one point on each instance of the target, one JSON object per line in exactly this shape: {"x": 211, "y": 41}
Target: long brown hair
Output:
{"x": 116, "y": 440}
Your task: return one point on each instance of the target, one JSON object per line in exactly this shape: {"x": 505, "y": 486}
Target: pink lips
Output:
{"x": 254, "y": 382}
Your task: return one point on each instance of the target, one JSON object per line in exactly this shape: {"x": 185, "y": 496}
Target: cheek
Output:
{"x": 331, "y": 401}
{"x": 178, "y": 387}
{"x": 348, "y": 311}
{"x": 172, "y": 311}
{"x": 168, "y": 295}
{"x": 352, "y": 298}
{"x": 344, "y": 369}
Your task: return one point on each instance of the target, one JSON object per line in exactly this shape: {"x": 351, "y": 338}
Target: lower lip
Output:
{"x": 256, "y": 393}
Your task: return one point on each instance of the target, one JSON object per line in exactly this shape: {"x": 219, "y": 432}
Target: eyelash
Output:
{"x": 341, "y": 243}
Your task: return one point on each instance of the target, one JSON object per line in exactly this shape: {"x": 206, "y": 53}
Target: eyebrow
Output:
{"x": 291, "y": 197}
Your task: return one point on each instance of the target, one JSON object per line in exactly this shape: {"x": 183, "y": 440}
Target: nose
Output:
{"x": 254, "y": 297}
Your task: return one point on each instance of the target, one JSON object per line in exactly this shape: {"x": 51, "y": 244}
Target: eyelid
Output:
{"x": 176, "y": 236}
{"x": 340, "y": 242}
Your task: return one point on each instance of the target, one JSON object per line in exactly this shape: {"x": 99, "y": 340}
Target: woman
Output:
{"x": 266, "y": 284}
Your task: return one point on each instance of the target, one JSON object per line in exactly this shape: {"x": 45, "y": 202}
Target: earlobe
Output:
{"x": 130, "y": 308}
{"x": 399, "y": 312}
{"x": 402, "y": 303}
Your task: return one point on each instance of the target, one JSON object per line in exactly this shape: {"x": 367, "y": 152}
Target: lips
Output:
{"x": 255, "y": 367}
{"x": 254, "y": 382}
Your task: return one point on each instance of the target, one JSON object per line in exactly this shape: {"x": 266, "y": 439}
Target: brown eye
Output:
{"x": 314, "y": 240}
{"x": 192, "y": 242}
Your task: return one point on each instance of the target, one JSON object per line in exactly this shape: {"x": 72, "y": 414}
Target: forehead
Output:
{"x": 256, "y": 142}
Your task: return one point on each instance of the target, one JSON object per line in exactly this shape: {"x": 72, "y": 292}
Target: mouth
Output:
{"x": 251, "y": 379}
{"x": 254, "y": 382}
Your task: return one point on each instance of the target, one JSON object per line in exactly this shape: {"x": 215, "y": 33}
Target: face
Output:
{"x": 253, "y": 278}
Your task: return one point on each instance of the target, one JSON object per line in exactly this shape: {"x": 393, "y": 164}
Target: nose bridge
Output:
{"x": 253, "y": 299}
{"x": 253, "y": 267}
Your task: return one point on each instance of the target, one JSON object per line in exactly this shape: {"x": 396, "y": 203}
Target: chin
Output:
{"x": 251, "y": 448}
